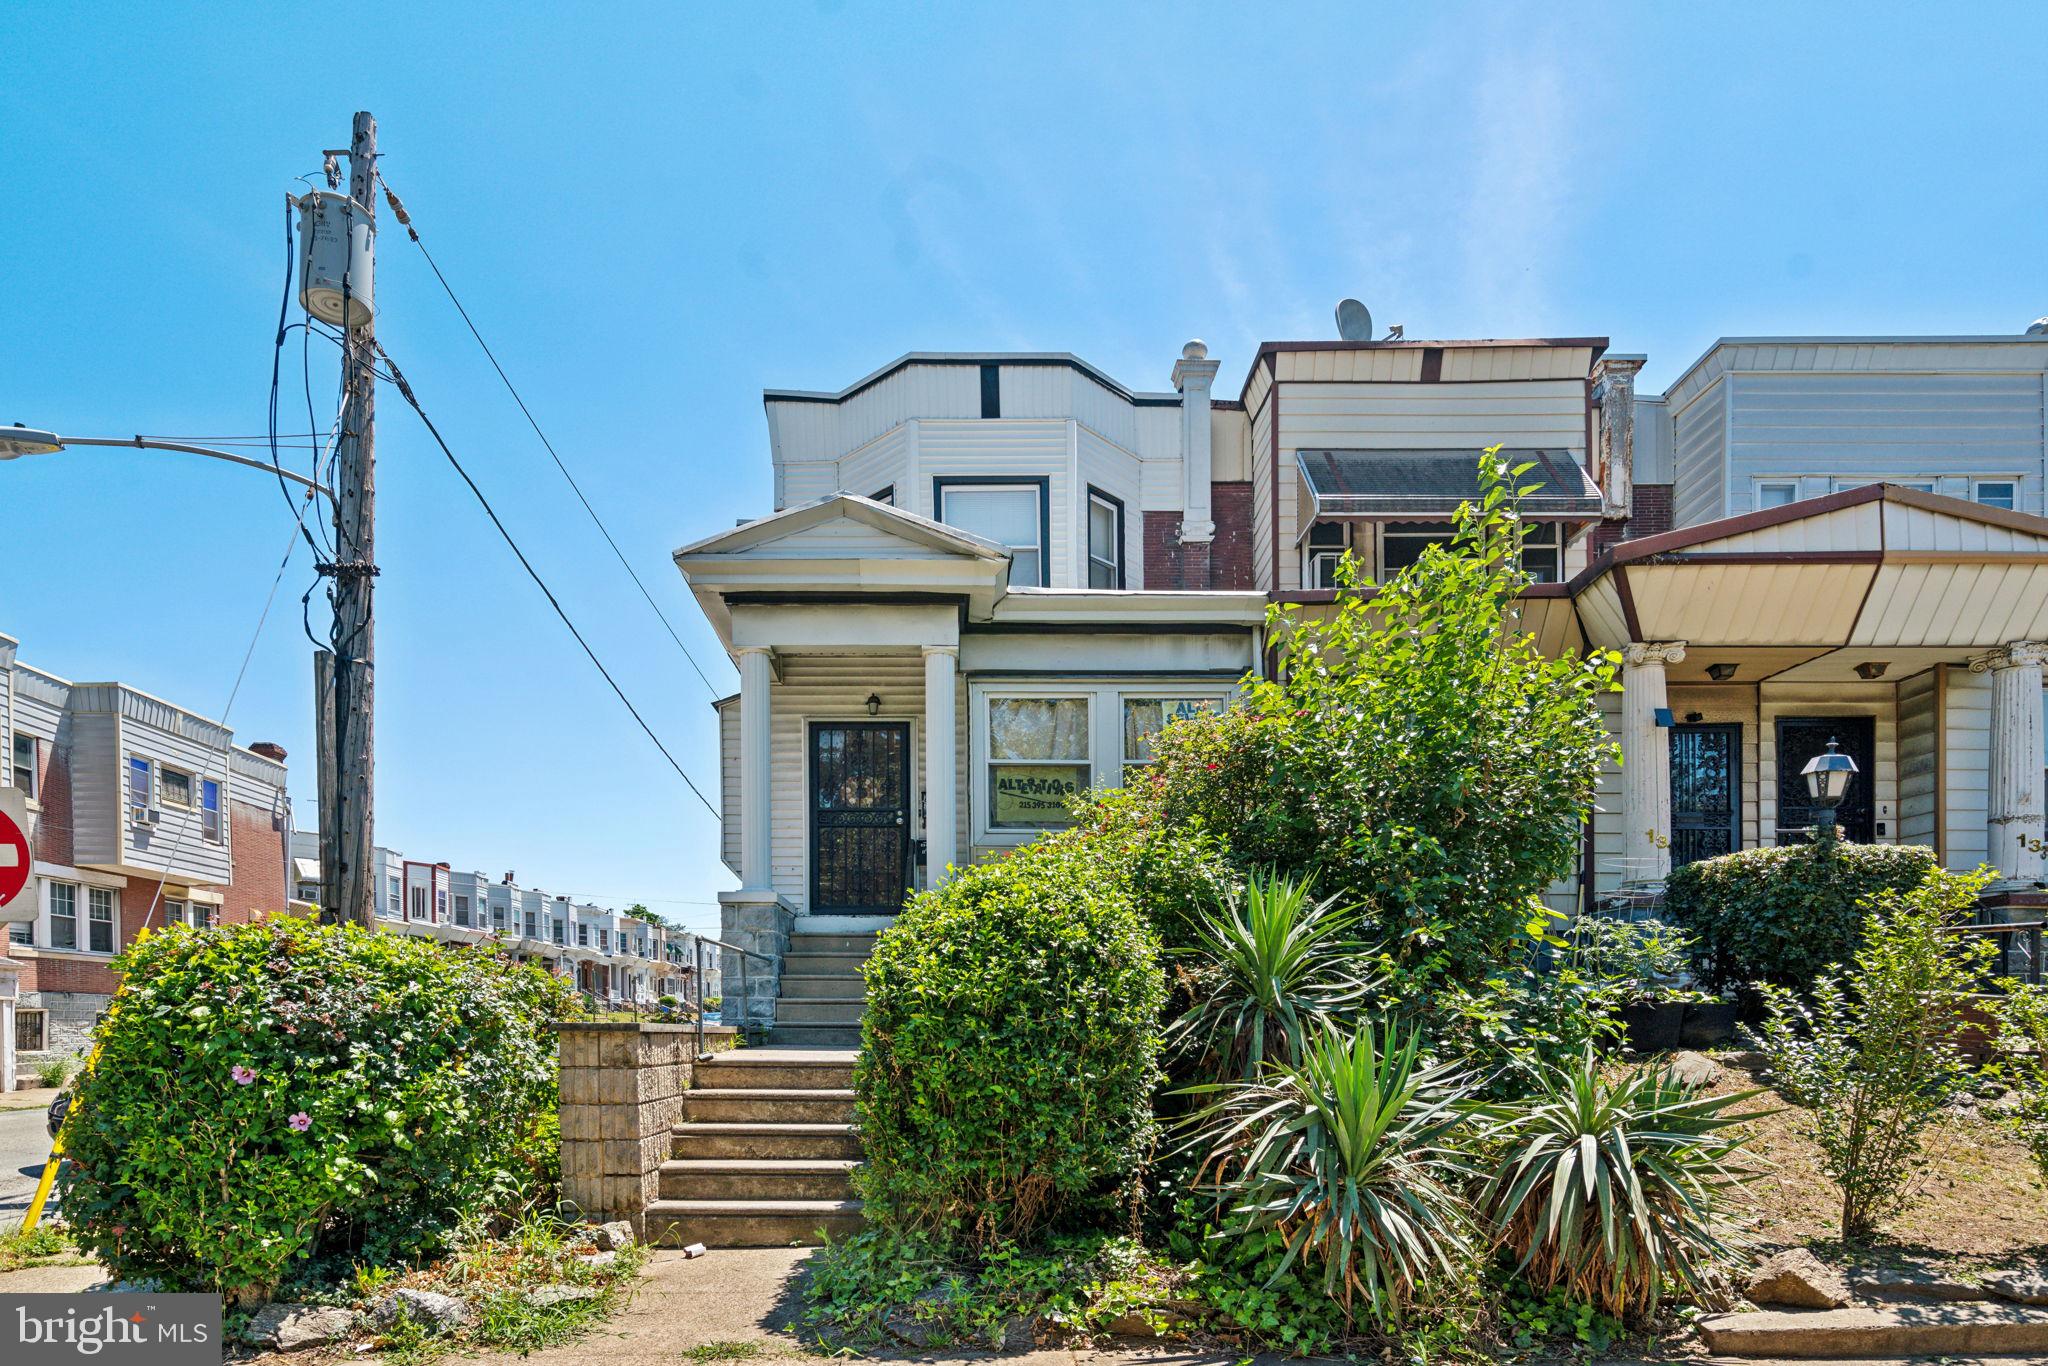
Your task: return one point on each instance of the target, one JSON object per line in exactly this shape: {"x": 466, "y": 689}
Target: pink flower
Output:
{"x": 242, "y": 1075}
{"x": 300, "y": 1122}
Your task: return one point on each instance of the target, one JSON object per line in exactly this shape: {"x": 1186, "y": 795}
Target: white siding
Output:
{"x": 1864, "y": 426}
{"x": 882, "y": 463}
{"x": 729, "y": 783}
{"x": 821, "y": 430}
{"x": 1119, "y": 474}
{"x": 1966, "y": 760}
{"x": 1653, "y": 456}
{"x": 1699, "y": 444}
{"x": 1032, "y": 448}
{"x": 1919, "y": 759}
{"x": 1608, "y": 870}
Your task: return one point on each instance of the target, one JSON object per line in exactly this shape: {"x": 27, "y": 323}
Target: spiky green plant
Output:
{"x": 1612, "y": 1188}
{"x": 1278, "y": 968}
{"x": 1346, "y": 1155}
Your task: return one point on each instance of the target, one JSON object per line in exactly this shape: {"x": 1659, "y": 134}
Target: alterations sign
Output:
{"x": 15, "y": 859}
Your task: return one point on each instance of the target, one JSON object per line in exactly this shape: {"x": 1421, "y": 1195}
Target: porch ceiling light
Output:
{"x": 1721, "y": 673}
{"x": 874, "y": 703}
{"x": 1828, "y": 776}
{"x": 1871, "y": 669}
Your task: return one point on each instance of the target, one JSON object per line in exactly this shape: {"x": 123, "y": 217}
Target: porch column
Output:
{"x": 941, "y": 772}
{"x": 1645, "y": 761}
{"x": 756, "y": 808}
{"x": 2015, "y": 818}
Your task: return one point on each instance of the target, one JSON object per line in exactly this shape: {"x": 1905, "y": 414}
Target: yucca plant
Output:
{"x": 1612, "y": 1188}
{"x": 1346, "y": 1156}
{"x": 1277, "y": 968}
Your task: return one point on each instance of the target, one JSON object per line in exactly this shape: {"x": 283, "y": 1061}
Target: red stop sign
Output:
{"x": 14, "y": 859}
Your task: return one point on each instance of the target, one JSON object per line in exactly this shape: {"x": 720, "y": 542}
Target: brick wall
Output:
{"x": 1225, "y": 562}
{"x": 53, "y": 789}
{"x": 259, "y": 845}
{"x": 1651, "y": 516}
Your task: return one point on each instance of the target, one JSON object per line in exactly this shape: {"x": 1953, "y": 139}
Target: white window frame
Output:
{"x": 1918, "y": 483}
{"x": 1758, "y": 486}
{"x": 138, "y": 810}
{"x": 1037, "y": 486}
{"x": 163, "y": 788}
{"x": 213, "y": 820}
{"x": 1114, "y": 506}
{"x": 14, "y": 757}
{"x": 1314, "y": 557}
{"x": 1105, "y": 733}
{"x": 1556, "y": 542}
{"x": 83, "y": 883}
{"x": 95, "y": 897}
{"x": 74, "y": 897}
{"x": 1128, "y": 695}
{"x": 2010, "y": 481}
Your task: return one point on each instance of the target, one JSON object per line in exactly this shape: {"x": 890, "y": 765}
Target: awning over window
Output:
{"x": 1412, "y": 485}
{"x": 306, "y": 869}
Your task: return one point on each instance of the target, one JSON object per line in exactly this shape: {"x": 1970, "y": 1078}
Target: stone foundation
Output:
{"x": 762, "y": 922}
{"x": 621, "y": 1087}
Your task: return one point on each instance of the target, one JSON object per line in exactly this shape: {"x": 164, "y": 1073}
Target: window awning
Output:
{"x": 1428, "y": 485}
{"x": 306, "y": 869}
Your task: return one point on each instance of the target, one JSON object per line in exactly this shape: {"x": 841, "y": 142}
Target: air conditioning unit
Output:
{"x": 144, "y": 815}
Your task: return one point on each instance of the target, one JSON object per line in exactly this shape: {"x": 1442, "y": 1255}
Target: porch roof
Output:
{"x": 1423, "y": 485}
{"x": 1879, "y": 574}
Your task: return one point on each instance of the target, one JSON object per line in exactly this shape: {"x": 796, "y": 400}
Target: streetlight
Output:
{"x": 17, "y": 441}
{"x": 1828, "y": 776}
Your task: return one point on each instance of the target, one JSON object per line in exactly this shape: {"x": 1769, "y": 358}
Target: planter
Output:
{"x": 1709, "y": 1024}
{"x": 1653, "y": 1026}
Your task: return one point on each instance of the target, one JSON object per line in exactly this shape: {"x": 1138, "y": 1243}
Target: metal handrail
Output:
{"x": 746, "y": 1000}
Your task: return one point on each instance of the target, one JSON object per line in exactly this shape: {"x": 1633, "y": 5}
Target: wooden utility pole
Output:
{"x": 347, "y": 833}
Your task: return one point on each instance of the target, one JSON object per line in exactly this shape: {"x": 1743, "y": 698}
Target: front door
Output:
{"x": 1802, "y": 737}
{"x": 1706, "y": 792}
{"x": 860, "y": 816}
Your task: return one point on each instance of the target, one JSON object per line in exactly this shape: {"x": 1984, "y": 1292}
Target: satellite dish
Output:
{"x": 2038, "y": 328}
{"x": 1354, "y": 322}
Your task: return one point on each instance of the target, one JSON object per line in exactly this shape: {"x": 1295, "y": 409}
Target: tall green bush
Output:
{"x": 1416, "y": 752}
{"x": 1009, "y": 1050}
{"x": 1873, "y": 1055}
{"x": 283, "y": 1090}
{"x": 1784, "y": 914}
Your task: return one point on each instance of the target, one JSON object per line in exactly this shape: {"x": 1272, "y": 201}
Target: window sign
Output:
{"x": 1145, "y": 717}
{"x": 1038, "y": 760}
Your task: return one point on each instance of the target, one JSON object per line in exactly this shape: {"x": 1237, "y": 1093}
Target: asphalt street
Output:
{"x": 24, "y": 1145}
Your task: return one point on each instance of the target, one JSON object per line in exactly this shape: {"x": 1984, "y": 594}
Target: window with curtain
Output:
{"x": 1037, "y": 760}
{"x": 176, "y": 788}
{"x": 1011, "y": 515}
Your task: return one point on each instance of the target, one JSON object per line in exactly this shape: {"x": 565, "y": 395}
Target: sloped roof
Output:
{"x": 1430, "y": 484}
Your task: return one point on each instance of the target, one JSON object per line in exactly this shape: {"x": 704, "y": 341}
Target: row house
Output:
{"x": 141, "y": 814}
{"x": 611, "y": 956}
{"x": 988, "y": 578}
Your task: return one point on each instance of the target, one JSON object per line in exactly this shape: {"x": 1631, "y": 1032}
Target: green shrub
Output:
{"x": 1175, "y": 872}
{"x": 1419, "y": 758}
{"x": 1275, "y": 969}
{"x": 1784, "y": 914}
{"x": 2021, "y": 1020}
{"x": 1009, "y": 1049}
{"x": 1611, "y": 1191}
{"x": 1873, "y": 1056}
{"x": 1346, "y": 1157}
{"x": 283, "y": 1090}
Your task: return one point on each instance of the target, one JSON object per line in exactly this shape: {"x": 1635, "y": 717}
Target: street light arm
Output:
{"x": 150, "y": 443}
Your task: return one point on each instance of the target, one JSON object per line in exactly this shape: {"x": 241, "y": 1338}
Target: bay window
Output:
{"x": 1013, "y": 513}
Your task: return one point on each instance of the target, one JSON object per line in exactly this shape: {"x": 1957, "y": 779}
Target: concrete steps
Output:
{"x": 1880, "y": 1331}
{"x": 763, "y": 1152}
{"x": 822, "y": 990}
{"x": 750, "y": 1222}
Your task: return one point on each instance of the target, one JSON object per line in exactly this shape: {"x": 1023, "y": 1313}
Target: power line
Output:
{"x": 398, "y": 210}
{"x": 405, "y": 390}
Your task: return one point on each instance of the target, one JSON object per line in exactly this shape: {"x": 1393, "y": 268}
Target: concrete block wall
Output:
{"x": 622, "y": 1085}
{"x": 764, "y": 926}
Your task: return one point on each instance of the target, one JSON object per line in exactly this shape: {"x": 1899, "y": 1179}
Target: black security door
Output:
{"x": 1706, "y": 792}
{"x": 860, "y": 816}
{"x": 1802, "y": 737}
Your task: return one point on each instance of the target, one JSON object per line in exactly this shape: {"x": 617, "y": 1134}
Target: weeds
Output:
{"x": 47, "y": 1245}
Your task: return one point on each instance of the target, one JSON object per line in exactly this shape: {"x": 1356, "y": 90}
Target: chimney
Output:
{"x": 269, "y": 749}
{"x": 1193, "y": 374}
{"x": 1613, "y": 456}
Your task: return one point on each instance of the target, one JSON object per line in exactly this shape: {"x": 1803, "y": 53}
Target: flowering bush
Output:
{"x": 285, "y": 1090}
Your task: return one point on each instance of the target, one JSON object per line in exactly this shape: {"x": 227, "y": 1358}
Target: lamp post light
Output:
{"x": 1828, "y": 776}
{"x": 18, "y": 441}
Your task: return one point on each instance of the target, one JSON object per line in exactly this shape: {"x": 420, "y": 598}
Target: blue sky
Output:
{"x": 656, "y": 211}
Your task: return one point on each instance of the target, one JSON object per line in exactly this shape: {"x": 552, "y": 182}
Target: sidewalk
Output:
{"x": 34, "y": 1098}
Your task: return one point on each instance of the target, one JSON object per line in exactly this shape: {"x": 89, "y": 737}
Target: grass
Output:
{"x": 705, "y": 1353}
{"x": 48, "y": 1245}
{"x": 1979, "y": 1201}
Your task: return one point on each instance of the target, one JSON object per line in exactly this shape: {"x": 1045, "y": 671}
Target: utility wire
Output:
{"x": 398, "y": 210}
{"x": 405, "y": 390}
